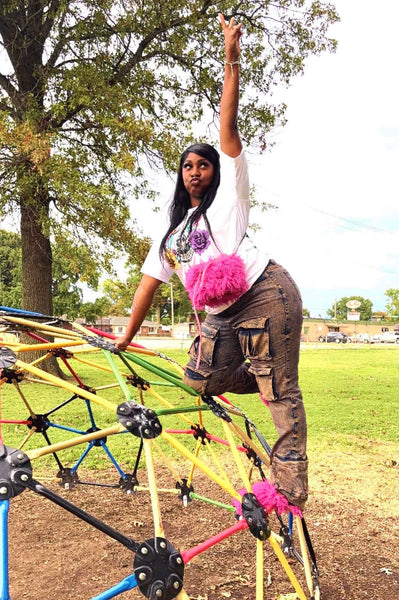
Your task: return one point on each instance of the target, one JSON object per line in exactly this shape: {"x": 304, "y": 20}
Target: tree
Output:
{"x": 119, "y": 295}
{"x": 67, "y": 295}
{"x": 340, "y": 310}
{"x": 91, "y": 311}
{"x": 10, "y": 269}
{"x": 93, "y": 89}
{"x": 393, "y": 305}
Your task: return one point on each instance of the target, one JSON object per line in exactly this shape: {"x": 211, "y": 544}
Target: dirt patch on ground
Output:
{"x": 352, "y": 517}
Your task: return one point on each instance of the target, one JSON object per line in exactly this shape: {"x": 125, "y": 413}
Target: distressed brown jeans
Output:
{"x": 253, "y": 346}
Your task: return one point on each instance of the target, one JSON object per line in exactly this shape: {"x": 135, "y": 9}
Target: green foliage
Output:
{"x": 393, "y": 305}
{"x": 91, "y": 311}
{"x": 340, "y": 310}
{"x": 10, "y": 269}
{"x": 94, "y": 92}
{"x": 67, "y": 296}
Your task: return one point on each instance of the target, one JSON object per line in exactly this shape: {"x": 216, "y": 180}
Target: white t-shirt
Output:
{"x": 228, "y": 219}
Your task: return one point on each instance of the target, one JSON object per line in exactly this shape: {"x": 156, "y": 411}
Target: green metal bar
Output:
{"x": 121, "y": 381}
{"x": 176, "y": 411}
{"x": 161, "y": 372}
{"x": 159, "y": 368}
{"x": 214, "y": 502}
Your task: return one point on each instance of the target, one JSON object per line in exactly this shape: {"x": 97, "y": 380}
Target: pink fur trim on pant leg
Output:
{"x": 269, "y": 498}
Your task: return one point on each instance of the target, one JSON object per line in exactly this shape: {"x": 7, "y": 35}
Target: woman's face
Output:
{"x": 197, "y": 173}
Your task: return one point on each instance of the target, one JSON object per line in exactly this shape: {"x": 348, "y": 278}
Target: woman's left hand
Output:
{"x": 232, "y": 33}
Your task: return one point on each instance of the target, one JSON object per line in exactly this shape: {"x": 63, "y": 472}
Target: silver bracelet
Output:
{"x": 236, "y": 62}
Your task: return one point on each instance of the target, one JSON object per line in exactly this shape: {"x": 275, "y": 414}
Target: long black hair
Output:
{"x": 181, "y": 198}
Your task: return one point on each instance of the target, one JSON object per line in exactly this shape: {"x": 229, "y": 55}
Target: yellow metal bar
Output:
{"x": 81, "y": 439}
{"x": 168, "y": 404}
{"x": 216, "y": 460}
{"x": 41, "y": 326}
{"x": 142, "y": 488}
{"x": 200, "y": 415}
{"x": 291, "y": 575}
{"x": 305, "y": 555}
{"x": 182, "y": 595}
{"x": 201, "y": 465}
{"x": 66, "y": 385}
{"x": 196, "y": 453}
{"x": 40, "y": 359}
{"x": 259, "y": 570}
{"x": 49, "y": 345}
{"x": 236, "y": 456}
{"x": 24, "y": 400}
{"x": 156, "y": 512}
{"x": 247, "y": 440}
{"x": 167, "y": 462}
{"x": 27, "y": 438}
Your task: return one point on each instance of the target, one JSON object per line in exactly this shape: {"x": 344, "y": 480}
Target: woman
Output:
{"x": 261, "y": 321}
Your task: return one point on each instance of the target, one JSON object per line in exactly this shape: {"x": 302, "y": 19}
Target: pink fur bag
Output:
{"x": 218, "y": 281}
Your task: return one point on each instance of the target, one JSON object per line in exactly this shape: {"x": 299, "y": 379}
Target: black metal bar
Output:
{"x": 37, "y": 487}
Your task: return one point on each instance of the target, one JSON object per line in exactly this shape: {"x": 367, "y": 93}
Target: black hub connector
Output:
{"x": 100, "y": 441}
{"x": 128, "y": 483}
{"x": 69, "y": 478}
{"x": 61, "y": 353}
{"x": 200, "y": 433}
{"x": 159, "y": 569}
{"x": 185, "y": 491}
{"x": 98, "y": 342}
{"x": 216, "y": 408}
{"x": 11, "y": 376}
{"x": 139, "y": 420}
{"x": 256, "y": 517}
{"x": 138, "y": 381}
{"x": 15, "y": 472}
{"x": 251, "y": 455}
{"x": 38, "y": 422}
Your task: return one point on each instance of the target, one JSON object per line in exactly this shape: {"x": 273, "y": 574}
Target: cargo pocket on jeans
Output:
{"x": 264, "y": 379}
{"x": 254, "y": 338}
{"x": 210, "y": 336}
{"x": 253, "y": 335}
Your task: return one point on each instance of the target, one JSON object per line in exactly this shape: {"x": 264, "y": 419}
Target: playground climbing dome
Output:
{"x": 166, "y": 427}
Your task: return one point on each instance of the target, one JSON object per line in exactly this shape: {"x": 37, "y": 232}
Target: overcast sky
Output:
{"x": 335, "y": 166}
{"x": 333, "y": 170}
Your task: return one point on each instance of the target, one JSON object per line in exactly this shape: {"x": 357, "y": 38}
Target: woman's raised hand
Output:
{"x": 232, "y": 33}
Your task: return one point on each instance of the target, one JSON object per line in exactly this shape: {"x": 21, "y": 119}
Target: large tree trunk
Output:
{"x": 36, "y": 264}
{"x": 36, "y": 268}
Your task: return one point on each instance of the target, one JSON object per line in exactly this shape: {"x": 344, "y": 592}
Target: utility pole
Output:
{"x": 172, "y": 308}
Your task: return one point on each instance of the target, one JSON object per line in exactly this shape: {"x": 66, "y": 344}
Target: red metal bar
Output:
{"x": 188, "y": 555}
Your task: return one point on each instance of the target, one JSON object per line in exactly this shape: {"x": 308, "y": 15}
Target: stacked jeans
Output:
{"x": 253, "y": 346}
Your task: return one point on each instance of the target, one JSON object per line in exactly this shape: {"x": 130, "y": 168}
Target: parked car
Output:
{"x": 334, "y": 336}
{"x": 360, "y": 338}
{"x": 376, "y": 338}
{"x": 389, "y": 337}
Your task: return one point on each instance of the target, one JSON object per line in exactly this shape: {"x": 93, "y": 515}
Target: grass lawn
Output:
{"x": 351, "y": 397}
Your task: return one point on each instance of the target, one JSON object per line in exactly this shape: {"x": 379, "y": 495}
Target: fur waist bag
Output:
{"x": 220, "y": 280}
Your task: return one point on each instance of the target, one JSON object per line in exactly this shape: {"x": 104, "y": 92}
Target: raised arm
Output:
{"x": 141, "y": 303}
{"x": 230, "y": 141}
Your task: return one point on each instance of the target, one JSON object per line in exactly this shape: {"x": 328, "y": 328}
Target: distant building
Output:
{"x": 117, "y": 326}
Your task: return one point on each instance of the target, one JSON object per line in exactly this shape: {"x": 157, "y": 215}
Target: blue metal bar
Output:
{"x": 4, "y": 589}
{"x": 91, "y": 416}
{"x": 112, "y": 459}
{"x": 83, "y": 456}
{"x": 123, "y": 586}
